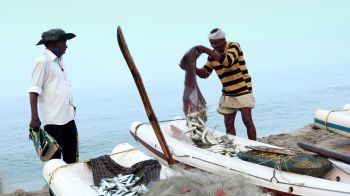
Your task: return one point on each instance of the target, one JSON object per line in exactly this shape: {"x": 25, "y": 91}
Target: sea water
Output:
{"x": 286, "y": 99}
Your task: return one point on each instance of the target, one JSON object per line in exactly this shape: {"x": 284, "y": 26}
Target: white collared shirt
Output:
{"x": 51, "y": 82}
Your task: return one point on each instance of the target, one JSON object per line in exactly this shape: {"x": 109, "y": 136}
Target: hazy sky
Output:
{"x": 275, "y": 36}
{"x": 280, "y": 39}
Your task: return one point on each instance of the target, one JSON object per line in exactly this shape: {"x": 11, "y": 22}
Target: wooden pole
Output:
{"x": 324, "y": 152}
{"x": 149, "y": 110}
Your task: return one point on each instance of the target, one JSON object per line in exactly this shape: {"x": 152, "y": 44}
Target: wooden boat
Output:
{"x": 334, "y": 182}
{"x": 337, "y": 121}
{"x": 77, "y": 179}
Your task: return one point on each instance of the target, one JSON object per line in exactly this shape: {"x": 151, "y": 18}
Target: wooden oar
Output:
{"x": 138, "y": 80}
{"x": 325, "y": 152}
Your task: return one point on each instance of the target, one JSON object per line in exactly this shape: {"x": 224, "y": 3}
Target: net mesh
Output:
{"x": 193, "y": 100}
{"x": 106, "y": 167}
{"x": 204, "y": 184}
{"x": 305, "y": 164}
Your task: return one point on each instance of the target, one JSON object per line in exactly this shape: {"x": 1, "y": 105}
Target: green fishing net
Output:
{"x": 306, "y": 164}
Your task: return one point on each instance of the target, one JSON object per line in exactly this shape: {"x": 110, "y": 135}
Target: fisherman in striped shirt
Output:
{"x": 228, "y": 62}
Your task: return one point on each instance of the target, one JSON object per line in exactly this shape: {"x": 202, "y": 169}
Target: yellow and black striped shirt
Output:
{"x": 231, "y": 70}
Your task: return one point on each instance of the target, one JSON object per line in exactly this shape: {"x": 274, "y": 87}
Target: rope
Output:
{"x": 63, "y": 166}
{"x": 274, "y": 173}
{"x": 329, "y": 113}
{"x": 278, "y": 167}
{"x": 285, "y": 165}
{"x": 161, "y": 121}
{"x": 279, "y": 160}
{"x": 85, "y": 161}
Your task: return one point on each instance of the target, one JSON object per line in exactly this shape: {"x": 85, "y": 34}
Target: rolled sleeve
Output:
{"x": 35, "y": 89}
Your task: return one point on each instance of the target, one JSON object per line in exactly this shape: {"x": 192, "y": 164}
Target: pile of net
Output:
{"x": 193, "y": 100}
{"x": 306, "y": 164}
{"x": 204, "y": 184}
{"x": 110, "y": 177}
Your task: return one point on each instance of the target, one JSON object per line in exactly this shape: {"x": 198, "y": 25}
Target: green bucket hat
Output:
{"x": 54, "y": 35}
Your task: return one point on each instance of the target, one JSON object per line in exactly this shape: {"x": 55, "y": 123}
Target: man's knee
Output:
{"x": 248, "y": 122}
{"x": 247, "y": 117}
{"x": 231, "y": 116}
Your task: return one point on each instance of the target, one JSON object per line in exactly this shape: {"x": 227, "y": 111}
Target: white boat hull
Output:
{"x": 337, "y": 121}
{"x": 76, "y": 179}
{"x": 186, "y": 153}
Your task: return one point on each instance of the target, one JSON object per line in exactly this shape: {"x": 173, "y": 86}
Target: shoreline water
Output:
{"x": 288, "y": 139}
{"x": 44, "y": 191}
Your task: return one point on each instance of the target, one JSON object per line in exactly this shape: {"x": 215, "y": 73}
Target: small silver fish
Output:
{"x": 201, "y": 121}
{"x": 131, "y": 194}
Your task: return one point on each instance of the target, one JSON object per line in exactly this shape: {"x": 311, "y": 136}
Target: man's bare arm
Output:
{"x": 35, "y": 120}
{"x": 201, "y": 73}
{"x": 212, "y": 53}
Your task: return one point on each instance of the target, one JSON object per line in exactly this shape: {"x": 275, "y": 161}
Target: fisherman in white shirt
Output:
{"x": 50, "y": 90}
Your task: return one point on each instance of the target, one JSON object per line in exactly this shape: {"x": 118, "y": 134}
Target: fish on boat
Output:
{"x": 192, "y": 144}
{"x": 77, "y": 178}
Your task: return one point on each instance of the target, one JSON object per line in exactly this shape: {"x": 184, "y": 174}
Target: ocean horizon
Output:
{"x": 296, "y": 53}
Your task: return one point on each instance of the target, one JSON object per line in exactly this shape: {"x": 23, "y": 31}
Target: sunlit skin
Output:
{"x": 218, "y": 45}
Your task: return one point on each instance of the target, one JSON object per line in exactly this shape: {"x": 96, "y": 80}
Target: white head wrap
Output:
{"x": 218, "y": 34}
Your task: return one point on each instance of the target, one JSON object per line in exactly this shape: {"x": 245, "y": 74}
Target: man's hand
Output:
{"x": 35, "y": 124}
{"x": 212, "y": 53}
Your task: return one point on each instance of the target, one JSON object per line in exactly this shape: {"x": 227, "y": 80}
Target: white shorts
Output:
{"x": 229, "y": 104}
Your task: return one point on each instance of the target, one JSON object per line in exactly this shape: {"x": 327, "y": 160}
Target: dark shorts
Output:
{"x": 67, "y": 137}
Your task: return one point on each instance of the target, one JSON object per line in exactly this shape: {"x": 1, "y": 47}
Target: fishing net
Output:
{"x": 305, "y": 164}
{"x": 106, "y": 167}
{"x": 204, "y": 184}
{"x": 193, "y": 100}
